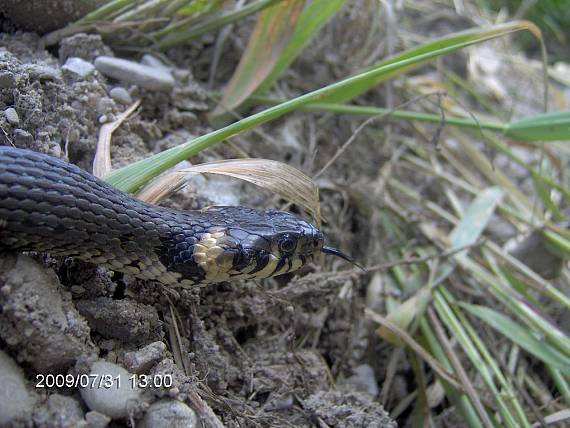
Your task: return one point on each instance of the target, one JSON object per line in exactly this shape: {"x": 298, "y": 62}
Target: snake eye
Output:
{"x": 287, "y": 244}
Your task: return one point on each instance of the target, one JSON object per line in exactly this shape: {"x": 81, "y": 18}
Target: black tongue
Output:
{"x": 338, "y": 253}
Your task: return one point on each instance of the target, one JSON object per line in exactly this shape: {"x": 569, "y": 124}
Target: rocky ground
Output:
{"x": 288, "y": 351}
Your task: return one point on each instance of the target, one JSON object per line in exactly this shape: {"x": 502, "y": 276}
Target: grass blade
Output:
{"x": 521, "y": 336}
{"x": 183, "y": 35}
{"x": 481, "y": 358}
{"x": 542, "y": 127}
{"x": 272, "y": 31}
{"x": 475, "y": 219}
{"x": 458, "y": 398}
{"x": 312, "y": 19}
{"x": 131, "y": 177}
{"x": 270, "y": 37}
{"x": 427, "y": 51}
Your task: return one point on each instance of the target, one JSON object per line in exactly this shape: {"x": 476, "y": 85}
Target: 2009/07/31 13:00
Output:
{"x": 101, "y": 381}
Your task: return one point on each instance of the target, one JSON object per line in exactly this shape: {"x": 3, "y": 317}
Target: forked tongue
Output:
{"x": 338, "y": 253}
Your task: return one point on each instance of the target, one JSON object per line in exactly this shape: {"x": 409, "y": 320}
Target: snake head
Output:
{"x": 256, "y": 244}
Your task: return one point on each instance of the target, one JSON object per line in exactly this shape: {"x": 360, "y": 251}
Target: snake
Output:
{"x": 48, "y": 205}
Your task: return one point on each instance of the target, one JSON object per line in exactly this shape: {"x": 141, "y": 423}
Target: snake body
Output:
{"x": 48, "y": 205}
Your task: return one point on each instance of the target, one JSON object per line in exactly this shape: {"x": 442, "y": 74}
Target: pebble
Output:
{"x": 142, "y": 360}
{"x": 363, "y": 380}
{"x": 14, "y": 398}
{"x": 96, "y": 419}
{"x": 78, "y": 67}
{"x": 151, "y": 78}
{"x": 169, "y": 414}
{"x": 12, "y": 116}
{"x": 7, "y": 80}
{"x": 116, "y": 400}
{"x": 23, "y": 138}
{"x": 105, "y": 106}
{"x": 121, "y": 95}
{"x": 60, "y": 408}
{"x": 55, "y": 150}
{"x": 41, "y": 72}
{"x": 154, "y": 62}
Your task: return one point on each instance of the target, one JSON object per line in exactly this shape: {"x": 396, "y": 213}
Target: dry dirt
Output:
{"x": 290, "y": 351}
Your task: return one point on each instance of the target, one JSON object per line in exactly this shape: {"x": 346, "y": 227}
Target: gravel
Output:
{"x": 60, "y": 408}
{"x": 12, "y": 116}
{"x": 112, "y": 391}
{"x": 121, "y": 95}
{"x": 151, "y": 78}
{"x": 78, "y": 67}
{"x": 15, "y": 400}
{"x": 142, "y": 360}
{"x": 169, "y": 414}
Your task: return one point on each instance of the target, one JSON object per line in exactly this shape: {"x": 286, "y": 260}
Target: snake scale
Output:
{"x": 48, "y": 205}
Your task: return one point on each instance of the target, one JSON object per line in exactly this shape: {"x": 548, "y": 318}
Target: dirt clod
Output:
{"x": 347, "y": 409}
{"x": 38, "y": 321}
{"x": 125, "y": 320}
{"x": 15, "y": 401}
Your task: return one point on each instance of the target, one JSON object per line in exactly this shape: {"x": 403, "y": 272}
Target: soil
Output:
{"x": 289, "y": 351}
{"x": 281, "y": 352}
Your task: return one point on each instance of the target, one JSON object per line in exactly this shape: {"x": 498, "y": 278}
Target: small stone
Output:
{"x": 7, "y": 80}
{"x": 23, "y": 138}
{"x": 363, "y": 380}
{"x": 121, "y": 95}
{"x": 12, "y": 116}
{"x": 142, "y": 360}
{"x": 78, "y": 67}
{"x": 151, "y": 78}
{"x": 169, "y": 414}
{"x": 112, "y": 391}
{"x": 15, "y": 400}
{"x": 60, "y": 408}
{"x": 97, "y": 420}
{"x": 154, "y": 62}
{"x": 105, "y": 105}
{"x": 84, "y": 46}
{"x": 55, "y": 150}
{"x": 42, "y": 72}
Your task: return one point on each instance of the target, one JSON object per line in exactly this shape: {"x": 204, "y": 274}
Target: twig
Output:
{"x": 417, "y": 348}
{"x": 203, "y": 410}
{"x": 364, "y": 124}
{"x": 454, "y": 360}
{"x": 414, "y": 260}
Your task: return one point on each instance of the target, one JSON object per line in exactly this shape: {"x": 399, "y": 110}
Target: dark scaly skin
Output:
{"x": 48, "y": 205}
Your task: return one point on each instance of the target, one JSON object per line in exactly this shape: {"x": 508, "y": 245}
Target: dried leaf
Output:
{"x": 102, "y": 161}
{"x": 280, "y": 178}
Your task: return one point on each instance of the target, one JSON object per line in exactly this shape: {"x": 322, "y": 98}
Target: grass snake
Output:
{"x": 48, "y": 205}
